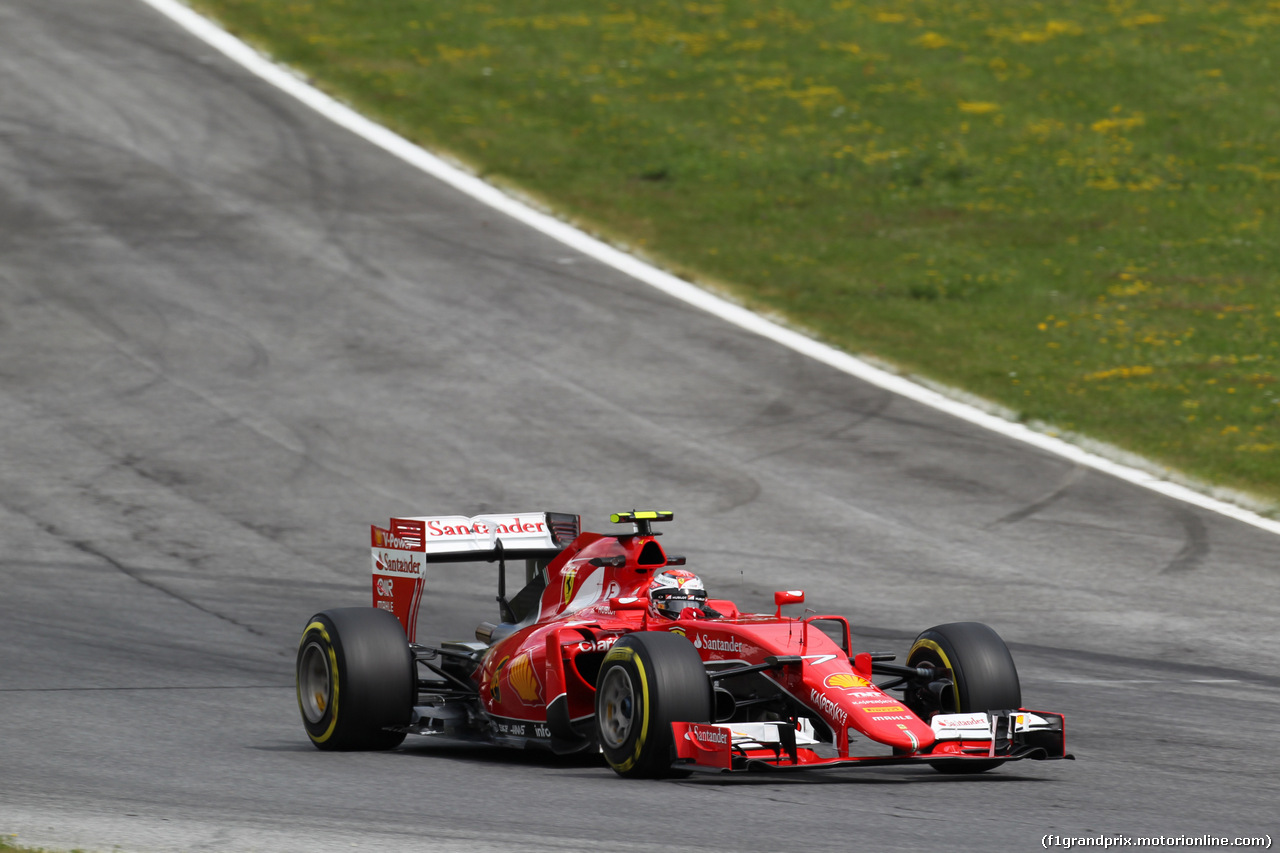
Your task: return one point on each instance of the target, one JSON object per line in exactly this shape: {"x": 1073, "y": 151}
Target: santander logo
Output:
{"x": 702, "y": 641}
{"x": 398, "y": 564}
{"x": 956, "y": 721}
{"x": 716, "y": 736}
{"x": 516, "y": 524}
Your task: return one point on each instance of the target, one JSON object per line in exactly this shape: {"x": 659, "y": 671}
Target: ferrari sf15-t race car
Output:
{"x": 581, "y": 659}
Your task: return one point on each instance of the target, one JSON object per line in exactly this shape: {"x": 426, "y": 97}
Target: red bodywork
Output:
{"x": 596, "y": 591}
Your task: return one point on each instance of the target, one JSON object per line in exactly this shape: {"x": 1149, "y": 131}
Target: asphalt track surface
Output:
{"x": 232, "y": 335}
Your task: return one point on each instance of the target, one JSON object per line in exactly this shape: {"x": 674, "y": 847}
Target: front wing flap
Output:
{"x": 1004, "y": 735}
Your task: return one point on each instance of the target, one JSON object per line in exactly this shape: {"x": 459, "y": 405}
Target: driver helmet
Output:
{"x": 675, "y": 589}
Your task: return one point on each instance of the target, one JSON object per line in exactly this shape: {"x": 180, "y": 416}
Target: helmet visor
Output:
{"x": 679, "y": 601}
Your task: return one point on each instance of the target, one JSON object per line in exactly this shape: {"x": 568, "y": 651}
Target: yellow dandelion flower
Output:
{"x": 1110, "y": 125}
{"x": 1144, "y": 20}
{"x": 1120, "y": 373}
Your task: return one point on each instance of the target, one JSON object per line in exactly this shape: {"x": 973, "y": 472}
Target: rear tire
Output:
{"x": 355, "y": 677}
{"x": 647, "y": 682}
{"x": 983, "y": 674}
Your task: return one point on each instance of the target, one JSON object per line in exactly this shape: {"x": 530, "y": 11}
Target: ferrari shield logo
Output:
{"x": 570, "y": 575}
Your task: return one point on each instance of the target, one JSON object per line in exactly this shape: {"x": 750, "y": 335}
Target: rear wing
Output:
{"x": 402, "y": 551}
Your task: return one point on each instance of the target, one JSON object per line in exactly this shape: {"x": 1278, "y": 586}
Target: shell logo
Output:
{"x": 846, "y": 681}
{"x": 524, "y": 680}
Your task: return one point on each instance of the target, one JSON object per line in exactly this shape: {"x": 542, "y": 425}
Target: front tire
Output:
{"x": 355, "y": 677}
{"x": 984, "y": 678}
{"x": 647, "y": 682}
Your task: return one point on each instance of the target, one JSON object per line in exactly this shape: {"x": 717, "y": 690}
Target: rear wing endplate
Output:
{"x": 401, "y": 551}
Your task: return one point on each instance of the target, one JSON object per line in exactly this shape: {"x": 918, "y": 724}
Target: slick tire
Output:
{"x": 647, "y": 682}
{"x": 984, "y": 676}
{"x": 355, "y": 678}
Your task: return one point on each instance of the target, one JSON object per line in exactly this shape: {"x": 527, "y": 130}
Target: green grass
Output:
{"x": 6, "y": 847}
{"x": 1068, "y": 208}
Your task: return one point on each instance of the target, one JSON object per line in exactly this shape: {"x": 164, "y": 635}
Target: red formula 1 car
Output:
{"x": 583, "y": 659}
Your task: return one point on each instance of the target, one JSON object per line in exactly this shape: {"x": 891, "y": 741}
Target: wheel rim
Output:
{"x": 313, "y": 682}
{"x": 924, "y": 703}
{"x": 617, "y": 707}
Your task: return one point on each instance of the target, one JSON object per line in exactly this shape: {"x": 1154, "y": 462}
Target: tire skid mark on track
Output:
{"x": 1179, "y": 671}
{"x": 1074, "y": 475}
{"x": 136, "y": 575}
{"x": 1155, "y": 537}
{"x": 1194, "y": 550}
{"x": 738, "y": 488}
{"x": 873, "y": 411}
{"x": 296, "y": 442}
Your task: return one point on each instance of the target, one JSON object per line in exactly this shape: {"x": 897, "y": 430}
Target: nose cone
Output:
{"x": 850, "y": 699}
{"x": 892, "y": 724}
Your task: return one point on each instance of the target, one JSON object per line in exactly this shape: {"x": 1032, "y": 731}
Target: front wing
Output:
{"x": 999, "y": 735}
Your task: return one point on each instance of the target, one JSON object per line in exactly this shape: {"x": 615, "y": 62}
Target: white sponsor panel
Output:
{"x": 449, "y": 533}
{"x": 961, "y": 721}
{"x": 398, "y": 563}
{"x": 718, "y": 735}
{"x": 961, "y": 727}
{"x": 1026, "y": 722}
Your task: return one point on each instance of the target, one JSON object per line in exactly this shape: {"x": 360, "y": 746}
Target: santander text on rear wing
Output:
{"x": 401, "y": 552}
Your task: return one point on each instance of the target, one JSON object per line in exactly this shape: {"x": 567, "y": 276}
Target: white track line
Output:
{"x": 286, "y": 80}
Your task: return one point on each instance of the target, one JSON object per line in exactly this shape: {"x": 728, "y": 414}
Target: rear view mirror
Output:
{"x": 787, "y": 596}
